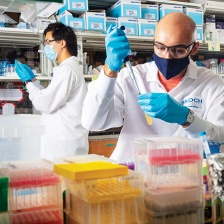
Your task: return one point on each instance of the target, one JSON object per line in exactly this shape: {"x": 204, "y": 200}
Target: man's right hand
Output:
{"x": 117, "y": 48}
{"x": 23, "y": 71}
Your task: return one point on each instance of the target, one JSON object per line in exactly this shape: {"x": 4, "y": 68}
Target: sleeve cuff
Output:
{"x": 196, "y": 127}
{"x": 33, "y": 84}
{"x": 105, "y": 85}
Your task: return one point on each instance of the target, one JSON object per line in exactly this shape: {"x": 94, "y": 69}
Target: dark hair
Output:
{"x": 62, "y": 32}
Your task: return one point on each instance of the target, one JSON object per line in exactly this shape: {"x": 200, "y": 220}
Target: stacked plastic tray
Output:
{"x": 34, "y": 194}
{"x": 102, "y": 192}
{"x": 172, "y": 169}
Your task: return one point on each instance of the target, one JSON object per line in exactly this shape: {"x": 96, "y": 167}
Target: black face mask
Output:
{"x": 171, "y": 67}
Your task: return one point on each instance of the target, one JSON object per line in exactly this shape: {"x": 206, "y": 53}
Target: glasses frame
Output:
{"x": 180, "y": 46}
{"x": 47, "y": 42}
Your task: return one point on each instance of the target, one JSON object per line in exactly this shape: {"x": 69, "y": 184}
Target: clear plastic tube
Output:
{"x": 205, "y": 144}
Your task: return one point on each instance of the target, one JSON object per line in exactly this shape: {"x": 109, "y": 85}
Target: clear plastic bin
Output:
{"x": 190, "y": 216}
{"x": 176, "y": 200}
{"x": 110, "y": 200}
{"x": 169, "y": 162}
{"x": 47, "y": 216}
{"x": 123, "y": 211}
{"x": 33, "y": 186}
{"x": 4, "y": 218}
{"x": 93, "y": 191}
{"x": 20, "y": 137}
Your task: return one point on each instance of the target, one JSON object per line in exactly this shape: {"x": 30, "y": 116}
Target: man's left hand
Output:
{"x": 164, "y": 107}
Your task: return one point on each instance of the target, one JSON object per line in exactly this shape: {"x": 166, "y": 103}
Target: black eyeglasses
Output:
{"x": 46, "y": 42}
{"x": 176, "y": 51}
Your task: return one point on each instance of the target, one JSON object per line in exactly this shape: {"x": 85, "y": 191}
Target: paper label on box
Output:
{"x": 129, "y": 30}
{"x": 76, "y": 24}
{"x": 131, "y": 12}
{"x": 149, "y": 32}
{"x": 78, "y": 5}
{"x": 97, "y": 26}
{"x": 150, "y": 16}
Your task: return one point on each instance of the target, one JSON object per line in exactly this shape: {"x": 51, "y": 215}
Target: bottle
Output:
{"x": 4, "y": 68}
{"x": 85, "y": 64}
{"x": 221, "y": 66}
{"x": 205, "y": 144}
{"x": 214, "y": 67}
{"x": 207, "y": 35}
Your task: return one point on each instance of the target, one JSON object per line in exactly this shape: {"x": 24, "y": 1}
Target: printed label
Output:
{"x": 78, "y": 5}
{"x": 97, "y": 26}
{"x": 193, "y": 102}
{"x": 131, "y": 12}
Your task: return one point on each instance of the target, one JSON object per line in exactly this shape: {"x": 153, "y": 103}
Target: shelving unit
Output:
{"x": 210, "y": 9}
{"x": 95, "y": 40}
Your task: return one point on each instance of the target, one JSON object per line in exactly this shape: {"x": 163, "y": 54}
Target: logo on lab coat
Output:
{"x": 194, "y": 102}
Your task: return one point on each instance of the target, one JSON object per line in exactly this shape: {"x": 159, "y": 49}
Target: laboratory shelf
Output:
{"x": 196, "y": 5}
{"x": 38, "y": 77}
{"x": 15, "y": 78}
{"x": 19, "y": 37}
{"x": 105, "y": 4}
{"x": 214, "y": 7}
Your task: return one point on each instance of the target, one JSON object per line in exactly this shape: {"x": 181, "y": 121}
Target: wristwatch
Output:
{"x": 190, "y": 119}
{"x": 27, "y": 81}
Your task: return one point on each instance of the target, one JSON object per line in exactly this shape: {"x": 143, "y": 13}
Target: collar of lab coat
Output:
{"x": 72, "y": 58}
{"x": 153, "y": 71}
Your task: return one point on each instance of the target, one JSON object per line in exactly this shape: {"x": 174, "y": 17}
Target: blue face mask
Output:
{"x": 171, "y": 67}
{"x": 50, "y": 53}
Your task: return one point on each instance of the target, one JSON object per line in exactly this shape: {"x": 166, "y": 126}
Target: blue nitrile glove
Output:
{"x": 23, "y": 71}
{"x": 117, "y": 48}
{"x": 164, "y": 107}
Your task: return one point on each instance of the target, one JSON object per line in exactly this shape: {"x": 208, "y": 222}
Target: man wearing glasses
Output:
{"x": 61, "y": 102}
{"x": 182, "y": 99}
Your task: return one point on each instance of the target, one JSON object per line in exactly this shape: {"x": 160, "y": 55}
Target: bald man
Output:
{"x": 182, "y": 99}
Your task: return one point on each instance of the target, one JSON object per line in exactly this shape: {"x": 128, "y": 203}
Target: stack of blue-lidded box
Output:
{"x": 172, "y": 169}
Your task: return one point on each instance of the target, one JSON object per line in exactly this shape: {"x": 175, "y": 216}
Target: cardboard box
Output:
{"x": 103, "y": 147}
{"x": 111, "y": 21}
{"x": 95, "y": 20}
{"x": 150, "y": 12}
{"x": 196, "y": 14}
{"x": 165, "y": 9}
{"x": 75, "y": 6}
{"x": 41, "y": 24}
{"x": 146, "y": 27}
{"x": 68, "y": 19}
{"x": 131, "y": 25}
{"x": 125, "y": 8}
{"x": 199, "y": 33}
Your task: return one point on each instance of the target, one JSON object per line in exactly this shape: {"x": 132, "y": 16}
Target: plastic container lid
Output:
{"x": 92, "y": 170}
{"x": 202, "y": 133}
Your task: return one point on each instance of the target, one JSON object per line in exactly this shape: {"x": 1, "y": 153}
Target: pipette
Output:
{"x": 131, "y": 72}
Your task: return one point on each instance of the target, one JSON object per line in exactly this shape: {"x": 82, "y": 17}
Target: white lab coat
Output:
{"x": 109, "y": 100}
{"x": 61, "y": 106}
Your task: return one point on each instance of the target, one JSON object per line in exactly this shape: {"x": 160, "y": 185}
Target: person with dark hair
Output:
{"x": 61, "y": 102}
